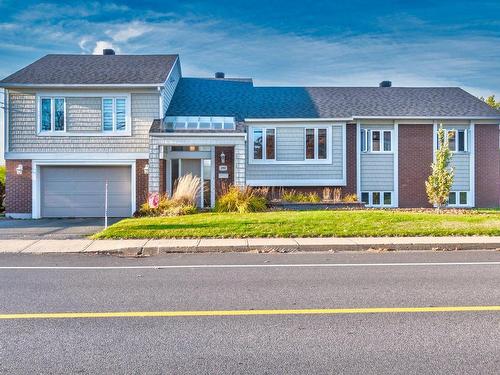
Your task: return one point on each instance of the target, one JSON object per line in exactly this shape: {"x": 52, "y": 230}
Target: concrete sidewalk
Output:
{"x": 156, "y": 247}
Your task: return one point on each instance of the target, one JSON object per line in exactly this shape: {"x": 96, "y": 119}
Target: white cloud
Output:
{"x": 123, "y": 33}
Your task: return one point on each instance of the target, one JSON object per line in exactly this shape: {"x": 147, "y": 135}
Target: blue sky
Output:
{"x": 334, "y": 43}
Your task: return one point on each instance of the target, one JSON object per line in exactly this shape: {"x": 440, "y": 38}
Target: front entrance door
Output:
{"x": 197, "y": 167}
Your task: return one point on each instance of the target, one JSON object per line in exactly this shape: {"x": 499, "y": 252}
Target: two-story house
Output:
{"x": 78, "y": 126}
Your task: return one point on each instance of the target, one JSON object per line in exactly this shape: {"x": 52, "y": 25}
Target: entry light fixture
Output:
{"x": 223, "y": 158}
{"x": 19, "y": 169}
{"x": 146, "y": 169}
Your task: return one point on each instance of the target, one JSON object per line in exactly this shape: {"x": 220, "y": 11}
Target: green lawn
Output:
{"x": 362, "y": 223}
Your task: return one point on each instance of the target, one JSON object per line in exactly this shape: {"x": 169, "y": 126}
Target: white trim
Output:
{"x": 381, "y": 192}
{"x": 344, "y": 153}
{"x": 434, "y": 141}
{"x": 320, "y": 182}
{"x": 395, "y": 147}
{"x": 188, "y": 155}
{"x": 202, "y": 183}
{"x": 197, "y": 134}
{"x": 6, "y": 124}
{"x": 75, "y": 156}
{"x": 128, "y": 116}
{"x": 264, "y": 159}
{"x": 36, "y": 183}
{"x": 358, "y": 159}
{"x": 52, "y": 130}
{"x": 472, "y": 166}
{"x": 369, "y": 140}
{"x": 354, "y": 118}
{"x": 79, "y": 86}
{"x": 329, "y": 138}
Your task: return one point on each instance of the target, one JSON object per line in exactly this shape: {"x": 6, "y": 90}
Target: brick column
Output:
{"x": 351, "y": 154}
{"x": 141, "y": 182}
{"x": 18, "y": 188}
{"x": 487, "y": 165}
{"x": 220, "y": 183}
{"x": 415, "y": 157}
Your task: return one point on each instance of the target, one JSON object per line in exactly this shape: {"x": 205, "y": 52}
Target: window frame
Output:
{"x": 366, "y": 147}
{"x": 381, "y": 195}
{"x": 315, "y": 129}
{"x": 456, "y": 131}
{"x": 52, "y": 115}
{"x": 457, "y": 199}
{"x": 114, "y": 122}
{"x": 264, "y": 130}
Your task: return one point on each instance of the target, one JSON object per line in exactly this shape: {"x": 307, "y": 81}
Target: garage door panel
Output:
{"x": 80, "y": 191}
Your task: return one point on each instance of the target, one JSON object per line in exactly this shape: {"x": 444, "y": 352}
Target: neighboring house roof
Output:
{"x": 209, "y": 97}
{"x": 94, "y": 70}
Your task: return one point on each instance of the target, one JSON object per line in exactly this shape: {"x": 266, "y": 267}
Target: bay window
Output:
{"x": 52, "y": 115}
{"x": 114, "y": 114}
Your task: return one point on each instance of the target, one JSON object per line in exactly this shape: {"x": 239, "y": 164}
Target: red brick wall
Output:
{"x": 18, "y": 187}
{"x": 487, "y": 165}
{"x": 163, "y": 177}
{"x": 141, "y": 182}
{"x": 414, "y": 163}
{"x": 219, "y": 182}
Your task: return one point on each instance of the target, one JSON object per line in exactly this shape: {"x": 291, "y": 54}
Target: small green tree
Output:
{"x": 439, "y": 183}
{"x": 491, "y": 101}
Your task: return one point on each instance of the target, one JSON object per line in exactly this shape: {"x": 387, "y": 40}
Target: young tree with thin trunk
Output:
{"x": 439, "y": 183}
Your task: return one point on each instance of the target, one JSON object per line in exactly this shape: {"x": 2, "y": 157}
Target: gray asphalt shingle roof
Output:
{"x": 209, "y": 97}
{"x": 94, "y": 69}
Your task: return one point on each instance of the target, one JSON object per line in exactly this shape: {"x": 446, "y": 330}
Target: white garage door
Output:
{"x": 74, "y": 191}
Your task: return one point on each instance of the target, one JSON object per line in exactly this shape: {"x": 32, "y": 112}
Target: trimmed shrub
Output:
{"x": 241, "y": 200}
{"x": 350, "y": 198}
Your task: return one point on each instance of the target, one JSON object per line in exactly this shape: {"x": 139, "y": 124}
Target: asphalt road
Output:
{"x": 395, "y": 342}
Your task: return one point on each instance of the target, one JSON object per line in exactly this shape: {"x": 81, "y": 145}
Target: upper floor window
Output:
{"x": 316, "y": 144}
{"x": 376, "y": 140}
{"x": 264, "y": 143}
{"x": 457, "y": 140}
{"x": 52, "y": 114}
{"x": 114, "y": 114}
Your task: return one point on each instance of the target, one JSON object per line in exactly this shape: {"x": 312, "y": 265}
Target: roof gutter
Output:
{"x": 354, "y": 118}
{"x": 78, "y": 86}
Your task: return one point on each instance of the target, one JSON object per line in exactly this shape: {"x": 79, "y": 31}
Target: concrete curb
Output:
{"x": 147, "y": 247}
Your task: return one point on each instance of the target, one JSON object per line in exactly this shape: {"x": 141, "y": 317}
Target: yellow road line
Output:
{"x": 155, "y": 314}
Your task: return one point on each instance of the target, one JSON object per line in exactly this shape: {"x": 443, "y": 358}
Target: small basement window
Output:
{"x": 377, "y": 198}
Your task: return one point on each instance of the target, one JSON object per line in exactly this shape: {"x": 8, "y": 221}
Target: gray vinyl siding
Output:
{"x": 168, "y": 89}
{"x": 290, "y": 144}
{"x": 23, "y": 135}
{"x": 461, "y": 162}
{"x": 83, "y": 115}
{"x": 377, "y": 169}
{"x": 290, "y": 147}
{"x": 377, "y": 172}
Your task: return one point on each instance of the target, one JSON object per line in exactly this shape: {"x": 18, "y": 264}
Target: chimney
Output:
{"x": 108, "y": 51}
{"x": 385, "y": 84}
{"x": 219, "y": 75}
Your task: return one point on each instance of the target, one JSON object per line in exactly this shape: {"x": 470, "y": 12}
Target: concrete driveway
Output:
{"x": 51, "y": 228}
